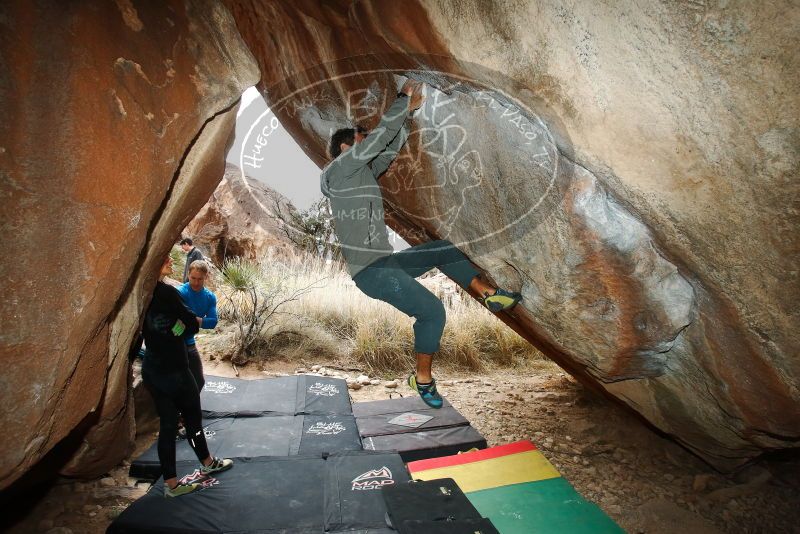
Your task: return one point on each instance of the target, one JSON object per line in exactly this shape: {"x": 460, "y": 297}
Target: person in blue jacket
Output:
{"x": 204, "y": 305}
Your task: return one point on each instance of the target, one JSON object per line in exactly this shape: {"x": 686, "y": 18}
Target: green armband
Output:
{"x": 178, "y": 328}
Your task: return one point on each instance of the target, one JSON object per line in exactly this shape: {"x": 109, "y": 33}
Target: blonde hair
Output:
{"x": 200, "y": 265}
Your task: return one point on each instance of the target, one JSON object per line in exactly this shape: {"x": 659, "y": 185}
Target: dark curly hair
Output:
{"x": 346, "y": 136}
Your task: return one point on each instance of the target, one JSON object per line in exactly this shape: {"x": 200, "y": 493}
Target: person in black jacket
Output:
{"x": 192, "y": 254}
{"x": 165, "y": 372}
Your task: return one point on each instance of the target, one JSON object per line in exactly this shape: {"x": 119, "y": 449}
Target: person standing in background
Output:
{"x": 204, "y": 305}
{"x": 192, "y": 255}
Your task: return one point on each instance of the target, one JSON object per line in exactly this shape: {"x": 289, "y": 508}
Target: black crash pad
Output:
{"x": 414, "y": 446}
{"x": 404, "y": 415}
{"x": 327, "y": 434}
{"x": 427, "y": 500}
{"x": 291, "y": 435}
{"x": 256, "y": 495}
{"x": 353, "y": 481}
{"x": 322, "y": 395}
{"x": 250, "y": 437}
{"x": 277, "y": 435}
{"x": 397, "y": 405}
{"x": 283, "y": 395}
{"x": 147, "y": 466}
{"x": 295, "y": 494}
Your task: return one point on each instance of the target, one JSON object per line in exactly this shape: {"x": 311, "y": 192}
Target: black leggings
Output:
{"x": 196, "y": 366}
{"x": 173, "y": 393}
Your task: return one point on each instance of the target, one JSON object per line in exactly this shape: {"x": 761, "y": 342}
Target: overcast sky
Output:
{"x": 280, "y": 163}
{"x": 285, "y": 167}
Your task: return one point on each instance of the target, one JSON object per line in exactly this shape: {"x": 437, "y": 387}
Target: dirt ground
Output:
{"x": 645, "y": 482}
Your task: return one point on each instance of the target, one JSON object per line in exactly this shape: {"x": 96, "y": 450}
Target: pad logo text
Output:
{"x": 326, "y": 429}
{"x": 326, "y": 390}
{"x": 220, "y": 388}
{"x": 373, "y": 479}
{"x": 196, "y": 477}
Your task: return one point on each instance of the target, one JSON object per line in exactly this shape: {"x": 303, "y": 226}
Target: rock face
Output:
{"x": 242, "y": 219}
{"x": 632, "y": 170}
{"x": 116, "y": 121}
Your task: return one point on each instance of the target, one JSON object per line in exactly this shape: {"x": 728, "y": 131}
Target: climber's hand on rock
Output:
{"x": 416, "y": 97}
{"x": 409, "y": 87}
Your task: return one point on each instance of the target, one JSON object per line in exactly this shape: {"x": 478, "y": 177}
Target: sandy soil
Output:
{"x": 647, "y": 483}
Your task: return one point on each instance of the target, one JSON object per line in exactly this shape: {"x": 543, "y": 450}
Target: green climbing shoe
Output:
{"x": 180, "y": 489}
{"x": 501, "y": 300}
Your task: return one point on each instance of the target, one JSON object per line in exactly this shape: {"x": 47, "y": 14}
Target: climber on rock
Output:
{"x": 350, "y": 181}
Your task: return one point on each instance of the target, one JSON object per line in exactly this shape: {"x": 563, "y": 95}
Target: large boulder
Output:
{"x": 244, "y": 218}
{"x": 632, "y": 170}
{"x": 116, "y": 118}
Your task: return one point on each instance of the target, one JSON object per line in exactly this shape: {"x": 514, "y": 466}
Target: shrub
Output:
{"x": 282, "y": 309}
{"x": 252, "y": 299}
{"x": 381, "y": 338}
{"x": 178, "y": 262}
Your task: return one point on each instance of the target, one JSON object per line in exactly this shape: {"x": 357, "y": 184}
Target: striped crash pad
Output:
{"x": 519, "y": 490}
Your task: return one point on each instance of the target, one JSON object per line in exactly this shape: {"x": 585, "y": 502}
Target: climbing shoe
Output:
{"x": 427, "y": 392}
{"x": 501, "y": 300}
{"x": 217, "y": 465}
{"x": 180, "y": 489}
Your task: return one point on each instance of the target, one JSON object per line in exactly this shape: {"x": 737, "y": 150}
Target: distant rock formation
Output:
{"x": 242, "y": 219}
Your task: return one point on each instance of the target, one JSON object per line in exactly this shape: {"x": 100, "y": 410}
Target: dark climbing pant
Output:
{"x": 392, "y": 279}
{"x": 196, "y": 366}
{"x": 173, "y": 393}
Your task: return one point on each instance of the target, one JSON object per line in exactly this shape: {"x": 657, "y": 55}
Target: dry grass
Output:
{"x": 178, "y": 262}
{"x": 336, "y": 318}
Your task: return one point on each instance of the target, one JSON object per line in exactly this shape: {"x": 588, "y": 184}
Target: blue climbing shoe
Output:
{"x": 427, "y": 392}
{"x": 501, "y": 300}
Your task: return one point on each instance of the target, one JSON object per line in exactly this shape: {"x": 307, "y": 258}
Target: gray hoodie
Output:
{"x": 351, "y": 183}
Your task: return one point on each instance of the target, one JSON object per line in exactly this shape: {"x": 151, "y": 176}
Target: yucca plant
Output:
{"x": 239, "y": 273}
{"x": 251, "y": 297}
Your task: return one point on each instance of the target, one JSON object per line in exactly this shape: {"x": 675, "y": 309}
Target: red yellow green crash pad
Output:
{"x": 489, "y": 468}
{"x": 519, "y": 490}
{"x": 549, "y": 506}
